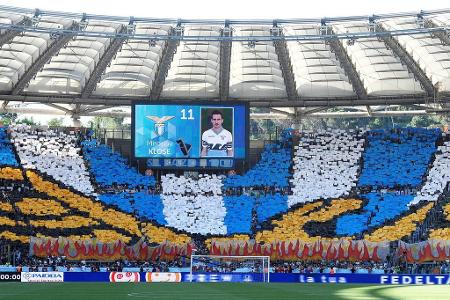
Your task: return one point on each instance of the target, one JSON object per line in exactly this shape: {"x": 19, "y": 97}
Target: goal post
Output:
{"x": 217, "y": 268}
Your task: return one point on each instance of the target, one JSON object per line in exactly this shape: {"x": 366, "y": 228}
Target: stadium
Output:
{"x": 248, "y": 153}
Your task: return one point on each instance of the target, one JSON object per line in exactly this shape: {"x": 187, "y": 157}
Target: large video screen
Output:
{"x": 187, "y": 130}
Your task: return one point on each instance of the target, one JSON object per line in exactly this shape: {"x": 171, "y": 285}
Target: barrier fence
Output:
{"x": 118, "y": 277}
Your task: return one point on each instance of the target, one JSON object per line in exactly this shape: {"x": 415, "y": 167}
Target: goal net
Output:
{"x": 213, "y": 268}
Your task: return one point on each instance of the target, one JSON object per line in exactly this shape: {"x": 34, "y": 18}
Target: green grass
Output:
{"x": 228, "y": 291}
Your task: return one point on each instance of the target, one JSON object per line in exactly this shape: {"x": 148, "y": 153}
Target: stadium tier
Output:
{"x": 400, "y": 157}
{"x": 109, "y": 168}
{"x": 325, "y": 165}
{"x": 337, "y": 187}
{"x": 379, "y": 208}
{"x": 272, "y": 169}
{"x": 6, "y": 151}
{"x": 53, "y": 153}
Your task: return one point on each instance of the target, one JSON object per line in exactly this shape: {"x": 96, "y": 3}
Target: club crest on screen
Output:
{"x": 160, "y": 126}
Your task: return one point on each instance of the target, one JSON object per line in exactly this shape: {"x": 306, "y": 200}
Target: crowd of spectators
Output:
{"x": 257, "y": 192}
{"x": 20, "y": 259}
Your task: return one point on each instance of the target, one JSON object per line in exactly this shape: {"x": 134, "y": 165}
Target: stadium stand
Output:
{"x": 196, "y": 206}
{"x": 256, "y": 196}
{"x": 380, "y": 207}
{"x": 129, "y": 207}
{"x": 438, "y": 176}
{"x": 111, "y": 169}
{"x": 121, "y": 185}
{"x": 401, "y": 228}
{"x": 291, "y": 225}
{"x": 271, "y": 170}
{"x": 270, "y": 205}
{"x": 142, "y": 204}
{"x": 239, "y": 213}
{"x": 397, "y": 157}
{"x": 326, "y": 165}
{"x": 393, "y": 177}
{"x": 54, "y": 153}
{"x": 113, "y": 225}
{"x": 7, "y": 156}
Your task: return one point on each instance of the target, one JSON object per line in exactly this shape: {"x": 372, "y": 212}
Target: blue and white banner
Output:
{"x": 223, "y": 277}
{"x": 234, "y": 277}
{"x": 163, "y": 277}
{"x": 320, "y": 278}
{"x": 367, "y": 278}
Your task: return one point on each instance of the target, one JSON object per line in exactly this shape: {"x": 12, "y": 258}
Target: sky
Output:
{"x": 228, "y": 9}
{"x": 231, "y": 9}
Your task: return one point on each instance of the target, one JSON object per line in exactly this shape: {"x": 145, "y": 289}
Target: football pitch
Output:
{"x": 185, "y": 291}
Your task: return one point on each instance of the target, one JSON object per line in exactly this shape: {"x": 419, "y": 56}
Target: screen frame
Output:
{"x": 205, "y": 103}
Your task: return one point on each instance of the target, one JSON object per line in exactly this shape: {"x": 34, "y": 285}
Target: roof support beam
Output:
{"x": 404, "y": 56}
{"x": 4, "y": 104}
{"x": 95, "y": 109}
{"x": 310, "y": 102}
{"x": 255, "y": 116}
{"x": 53, "y": 13}
{"x": 430, "y": 105}
{"x": 358, "y": 108}
{"x": 442, "y": 35}
{"x": 334, "y": 115}
{"x": 285, "y": 63}
{"x": 40, "y": 62}
{"x": 311, "y": 111}
{"x": 358, "y": 114}
{"x": 8, "y": 35}
{"x": 345, "y": 102}
{"x": 58, "y": 107}
{"x": 102, "y": 65}
{"x": 280, "y": 111}
{"x": 225, "y": 59}
{"x": 76, "y": 109}
{"x": 42, "y": 111}
{"x": 270, "y": 116}
{"x": 164, "y": 65}
{"x": 349, "y": 68}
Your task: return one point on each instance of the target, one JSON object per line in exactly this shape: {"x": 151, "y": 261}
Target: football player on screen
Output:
{"x": 217, "y": 141}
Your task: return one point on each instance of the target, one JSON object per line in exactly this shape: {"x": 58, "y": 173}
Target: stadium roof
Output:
{"x": 84, "y": 63}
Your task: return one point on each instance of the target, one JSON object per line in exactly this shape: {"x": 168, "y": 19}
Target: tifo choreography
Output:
{"x": 296, "y": 150}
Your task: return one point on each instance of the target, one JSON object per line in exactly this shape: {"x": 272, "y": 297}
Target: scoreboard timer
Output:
{"x": 10, "y": 276}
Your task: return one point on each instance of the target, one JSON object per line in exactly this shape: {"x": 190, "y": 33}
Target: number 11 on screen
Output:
{"x": 189, "y": 114}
